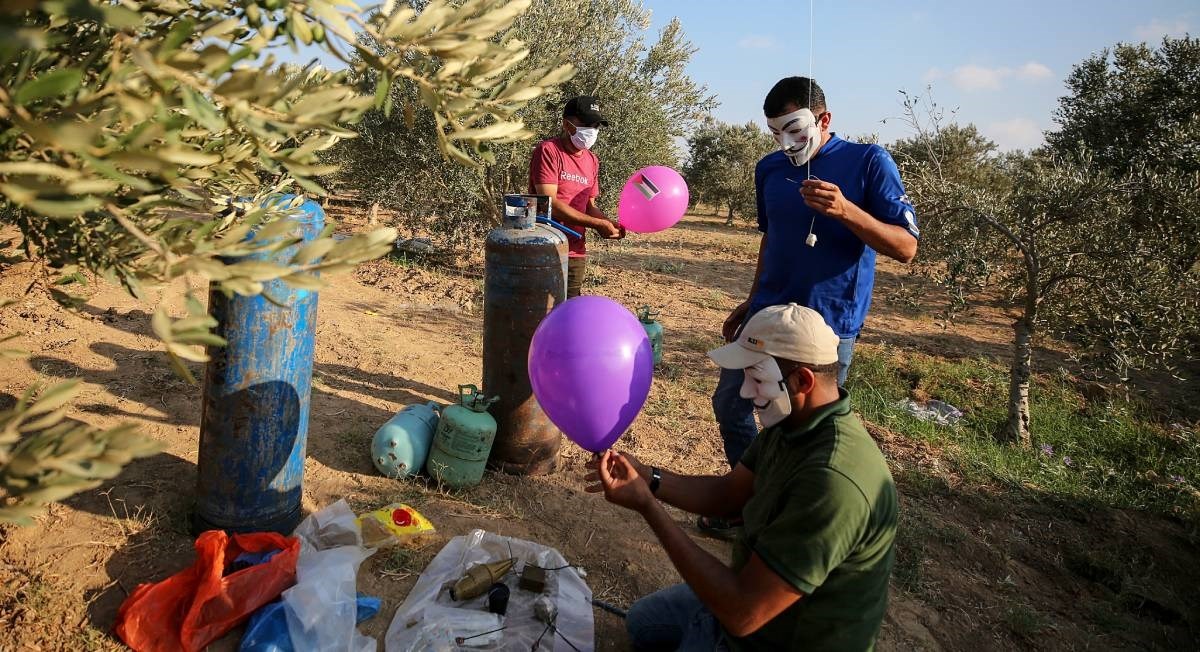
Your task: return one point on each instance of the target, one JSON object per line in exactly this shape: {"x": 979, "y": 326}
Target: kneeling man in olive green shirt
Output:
{"x": 810, "y": 569}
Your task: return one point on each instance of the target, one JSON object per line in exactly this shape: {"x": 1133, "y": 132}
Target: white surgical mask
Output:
{"x": 585, "y": 137}
{"x": 764, "y": 387}
{"x": 798, "y": 135}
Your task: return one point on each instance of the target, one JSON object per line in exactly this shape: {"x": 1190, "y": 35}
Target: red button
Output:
{"x": 402, "y": 517}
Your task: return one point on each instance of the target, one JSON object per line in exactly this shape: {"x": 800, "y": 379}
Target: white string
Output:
{"x": 808, "y": 164}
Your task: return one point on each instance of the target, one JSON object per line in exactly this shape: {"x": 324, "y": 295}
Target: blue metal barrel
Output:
{"x": 254, "y": 422}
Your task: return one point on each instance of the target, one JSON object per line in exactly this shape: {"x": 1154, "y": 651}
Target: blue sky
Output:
{"x": 999, "y": 65}
{"x": 1002, "y": 64}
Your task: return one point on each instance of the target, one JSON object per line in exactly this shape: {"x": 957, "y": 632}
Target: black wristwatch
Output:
{"x": 655, "y": 479}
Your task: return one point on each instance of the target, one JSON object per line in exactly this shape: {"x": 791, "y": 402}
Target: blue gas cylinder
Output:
{"x": 401, "y": 445}
{"x": 254, "y": 418}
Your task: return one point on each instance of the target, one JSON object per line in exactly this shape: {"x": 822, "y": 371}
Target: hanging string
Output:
{"x": 808, "y": 164}
{"x": 811, "y": 33}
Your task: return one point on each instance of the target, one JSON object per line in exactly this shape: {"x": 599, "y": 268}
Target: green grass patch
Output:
{"x": 408, "y": 259}
{"x": 400, "y": 560}
{"x": 1025, "y": 621}
{"x": 1111, "y": 452}
{"x": 912, "y": 556}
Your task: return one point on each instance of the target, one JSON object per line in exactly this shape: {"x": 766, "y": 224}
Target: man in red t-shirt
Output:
{"x": 565, "y": 168}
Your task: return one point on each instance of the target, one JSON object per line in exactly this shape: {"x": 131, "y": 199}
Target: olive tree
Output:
{"x": 721, "y": 161}
{"x": 1134, "y": 110}
{"x": 1059, "y": 234}
{"x": 642, "y": 89}
{"x": 141, "y": 138}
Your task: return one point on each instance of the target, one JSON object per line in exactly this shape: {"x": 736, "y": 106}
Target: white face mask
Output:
{"x": 798, "y": 135}
{"x": 585, "y": 137}
{"x": 764, "y": 386}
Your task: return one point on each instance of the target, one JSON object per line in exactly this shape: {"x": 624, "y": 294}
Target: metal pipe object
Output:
{"x": 254, "y": 420}
{"x": 614, "y": 610}
{"x": 560, "y": 226}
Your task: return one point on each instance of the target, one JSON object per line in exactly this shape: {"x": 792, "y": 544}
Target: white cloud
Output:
{"x": 757, "y": 42}
{"x": 1158, "y": 28}
{"x": 1017, "y": 133}
{"x": 1034, "y": 71}
{"x": 972, "y": 77}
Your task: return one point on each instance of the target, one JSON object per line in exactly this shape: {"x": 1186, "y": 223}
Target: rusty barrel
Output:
{"x": 254, "y": 419}
{"x": 525, "y": 278}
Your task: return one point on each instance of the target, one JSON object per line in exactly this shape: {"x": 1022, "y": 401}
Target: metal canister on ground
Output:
{"x": 463, "y": 440}
{"x": 254, "y": 418}
{"x": 654, "y": 331}
{"x": 526, "y": 277}
{"x": 401, "y": 446}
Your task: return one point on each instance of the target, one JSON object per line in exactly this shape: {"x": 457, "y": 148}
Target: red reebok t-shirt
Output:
{"x": 577, "y": 176}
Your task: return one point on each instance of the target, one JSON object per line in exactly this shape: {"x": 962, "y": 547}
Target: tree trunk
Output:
{"x": 729, "y": 219}
{"x": 1017, "y": 428}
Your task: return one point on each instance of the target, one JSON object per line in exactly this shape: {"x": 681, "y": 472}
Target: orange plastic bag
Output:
{"x": 196, "y": 606}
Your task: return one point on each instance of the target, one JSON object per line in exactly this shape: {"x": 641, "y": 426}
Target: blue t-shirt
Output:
{"x": 835, "y": 277}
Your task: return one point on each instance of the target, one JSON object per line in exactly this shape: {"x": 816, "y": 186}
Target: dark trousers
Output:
{"x": 575, "y": 273}
{"x": 674, "y": 619}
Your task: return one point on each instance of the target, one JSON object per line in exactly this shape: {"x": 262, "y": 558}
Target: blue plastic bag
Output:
{"x": 267, "y": 630}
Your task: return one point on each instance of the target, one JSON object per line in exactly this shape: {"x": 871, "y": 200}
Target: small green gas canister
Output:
{"x": 654, "y": 331}
{"x": 463, "y": 440}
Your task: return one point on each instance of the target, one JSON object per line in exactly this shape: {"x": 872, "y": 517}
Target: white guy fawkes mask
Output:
{"x": 764, "y": 386}
{"x": 798, "y": 135}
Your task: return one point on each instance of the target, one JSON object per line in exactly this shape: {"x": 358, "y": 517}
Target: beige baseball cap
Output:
{"x": 791, "y": 332}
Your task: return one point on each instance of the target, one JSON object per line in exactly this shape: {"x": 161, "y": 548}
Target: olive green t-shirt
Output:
{"x": 823, "y": 517}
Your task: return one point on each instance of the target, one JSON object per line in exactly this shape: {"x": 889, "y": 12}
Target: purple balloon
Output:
{"x": 653, "y": 199}
{"x": 591, "y": 365}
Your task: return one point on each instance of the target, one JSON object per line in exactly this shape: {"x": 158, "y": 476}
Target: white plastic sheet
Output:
{"x": 937, "y": 412}
{"x": 322, "y": 606}
{"x": 430, "y": 620}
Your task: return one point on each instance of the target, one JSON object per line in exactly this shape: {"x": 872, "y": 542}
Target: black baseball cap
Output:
{"x": 586, "y": 108}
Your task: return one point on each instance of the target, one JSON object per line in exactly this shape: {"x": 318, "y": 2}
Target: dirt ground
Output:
{"x": 976, "y": 570}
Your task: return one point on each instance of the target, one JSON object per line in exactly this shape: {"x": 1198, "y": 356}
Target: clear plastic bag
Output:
{"x": 321, "y": 608}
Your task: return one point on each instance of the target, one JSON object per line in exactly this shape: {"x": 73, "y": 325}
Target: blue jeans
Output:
{"x": 735, "y": 415}
{"x": 673, "y": 619}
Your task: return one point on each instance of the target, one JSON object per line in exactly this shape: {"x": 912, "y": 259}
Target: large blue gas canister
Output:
{"x": 254, "y": 415}
{"x": 401, "y": 445}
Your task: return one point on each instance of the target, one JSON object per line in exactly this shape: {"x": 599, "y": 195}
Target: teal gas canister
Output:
{"x": 654, "y": 331}
{"x": 463, "y": 440}
{"x": 401, "y": 446}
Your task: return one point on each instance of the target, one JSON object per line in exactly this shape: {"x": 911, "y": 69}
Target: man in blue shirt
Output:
{"x": 825, "y": 207}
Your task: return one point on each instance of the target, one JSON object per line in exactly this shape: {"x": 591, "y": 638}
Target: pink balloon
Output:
{"x": 591, "y": 366}
{"x": 653, "y": 199}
